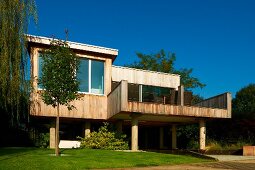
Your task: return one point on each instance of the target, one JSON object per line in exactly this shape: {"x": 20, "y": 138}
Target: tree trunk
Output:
{"x": 57, "y": 133}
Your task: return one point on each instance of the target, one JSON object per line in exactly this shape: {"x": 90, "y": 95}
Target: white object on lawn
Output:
{"x": 69, "y": 144}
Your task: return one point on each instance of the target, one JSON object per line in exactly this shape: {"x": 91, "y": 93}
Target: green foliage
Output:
{"x": 160, "y": 61}
{"x": 196, "y": 99}
{"x": 223, "y": 145}
{"x": 164, "y": 62}
{"x": 187, "y": 80}
{"x": 187, "y": 134}
{"x": 104, "y": 139}
{"x": 244, "y": 103}
{"x": 14, "y": 18}
{"x": 59, "y": 79}
{"x": 43, "y": 140}
{"x": 193, "y": 144}
{"x": 59, "y": 75}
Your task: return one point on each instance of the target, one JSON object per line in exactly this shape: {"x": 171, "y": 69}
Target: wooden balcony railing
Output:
{"x": 119, "y": 102}
{"x": 222, "y": 101}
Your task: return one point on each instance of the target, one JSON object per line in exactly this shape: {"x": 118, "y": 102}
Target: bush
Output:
{"x": 43, "y": 140}
{"x": 222, "y": 145}
{"x": 193, "y": 144}
{"x": 104, "y": 139}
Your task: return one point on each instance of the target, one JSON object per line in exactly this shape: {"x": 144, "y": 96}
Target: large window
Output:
{"x": 90, "y": 75}
{"x": 97, "y": 77}
{"x": 83, "y": 75}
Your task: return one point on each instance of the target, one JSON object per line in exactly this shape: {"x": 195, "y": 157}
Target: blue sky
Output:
{"x": 214, "y": 37}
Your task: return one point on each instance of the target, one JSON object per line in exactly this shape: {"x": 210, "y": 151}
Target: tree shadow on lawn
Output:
{"x": 14, "y": 151}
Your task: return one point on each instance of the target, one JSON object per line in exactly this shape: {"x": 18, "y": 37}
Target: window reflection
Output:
{"x": 97, "y": 77}
{"x": 83, "y": 75}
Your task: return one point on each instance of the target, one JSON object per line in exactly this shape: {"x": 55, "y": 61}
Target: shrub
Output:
{"x": 104, "y": 139}
{"x": 213, "y": 145}
{"x": 43, "y": 140}
{"x": 223, "y": 145}
{"x": 193, "y": 144}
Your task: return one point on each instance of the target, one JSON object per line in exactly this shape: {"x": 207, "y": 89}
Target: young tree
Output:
{"x": 59, "y": 79}
{"x": 14, "y": 18}
{"x": 164, "y": 62}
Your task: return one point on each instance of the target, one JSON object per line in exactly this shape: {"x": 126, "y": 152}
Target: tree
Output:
{"x": 164, "y": 62}
{"x": 244, "y": 102}
{"x": 59, "y": 79}
{"x": 14, "y": 18}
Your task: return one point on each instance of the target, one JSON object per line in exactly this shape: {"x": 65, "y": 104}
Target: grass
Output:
{"x": 34, "y": 158}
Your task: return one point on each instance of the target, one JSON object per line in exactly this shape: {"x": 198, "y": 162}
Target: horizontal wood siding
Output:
{"x": 137, "y": 76}
{"x": 223, "y": 101}
{"x": 89, "y": 107}
{"x": 161, "y": 109}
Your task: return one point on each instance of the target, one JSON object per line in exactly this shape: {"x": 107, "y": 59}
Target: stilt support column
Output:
{"x": 87, "y": 129}
{"x": 134, "y": 135}
{"x": 202, "y": 136}
{"x": 174, "y": 138}
{"x": 52, "y": 135}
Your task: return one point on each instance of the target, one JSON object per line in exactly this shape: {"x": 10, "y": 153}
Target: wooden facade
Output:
{"x": 89, "y": 106}
{"x": 115, "y": 101}
{"x": 145, "y": 77}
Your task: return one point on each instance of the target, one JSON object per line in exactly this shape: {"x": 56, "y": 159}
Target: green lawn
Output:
{"x": 33, "y": 158}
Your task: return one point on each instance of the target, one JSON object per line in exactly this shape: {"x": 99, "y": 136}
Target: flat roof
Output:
{"x": 74, "y": 45}
{"x": 157, "y": 72}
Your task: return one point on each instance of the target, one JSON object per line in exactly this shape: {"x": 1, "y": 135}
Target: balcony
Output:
{"x": 126, "y": 99}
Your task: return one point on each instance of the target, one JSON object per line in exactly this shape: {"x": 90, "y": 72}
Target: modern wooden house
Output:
{"x": 152, "y": 103}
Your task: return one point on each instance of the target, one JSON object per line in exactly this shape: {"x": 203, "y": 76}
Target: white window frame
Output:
{"x": 89, "y": 76}
{"x": 89, "y": 79}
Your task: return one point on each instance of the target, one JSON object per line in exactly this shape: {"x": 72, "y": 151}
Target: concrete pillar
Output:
{"x": 119, "y": 126}
{"x": 174, "y": 137}
{"x": 87, "y": 129}
{"x": 161, "y": 138}
{"x": 52, "y": 135}
{"x": 134, "y": 133}
{"x": 202, "y": 134}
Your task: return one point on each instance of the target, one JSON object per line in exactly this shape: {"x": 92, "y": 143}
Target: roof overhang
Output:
{"x": 45, "y": 41}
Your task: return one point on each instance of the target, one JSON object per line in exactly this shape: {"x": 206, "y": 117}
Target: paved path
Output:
{"x": 232, "y": 157}
{"x": 221, "y": 165}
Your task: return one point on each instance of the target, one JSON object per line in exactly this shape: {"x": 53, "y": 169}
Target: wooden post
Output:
{"x": 202, "y": 134}
{"x": 180, "y": 95}
{"x": 174, "y": 137}
{"x": 124, "y": 95}
{"x": 164, "y": 99}
{"x": 140, "y": 93}
{"x": 229, "y": 104}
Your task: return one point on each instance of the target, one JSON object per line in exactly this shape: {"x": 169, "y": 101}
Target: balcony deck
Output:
{"x": 120, "y": 108}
